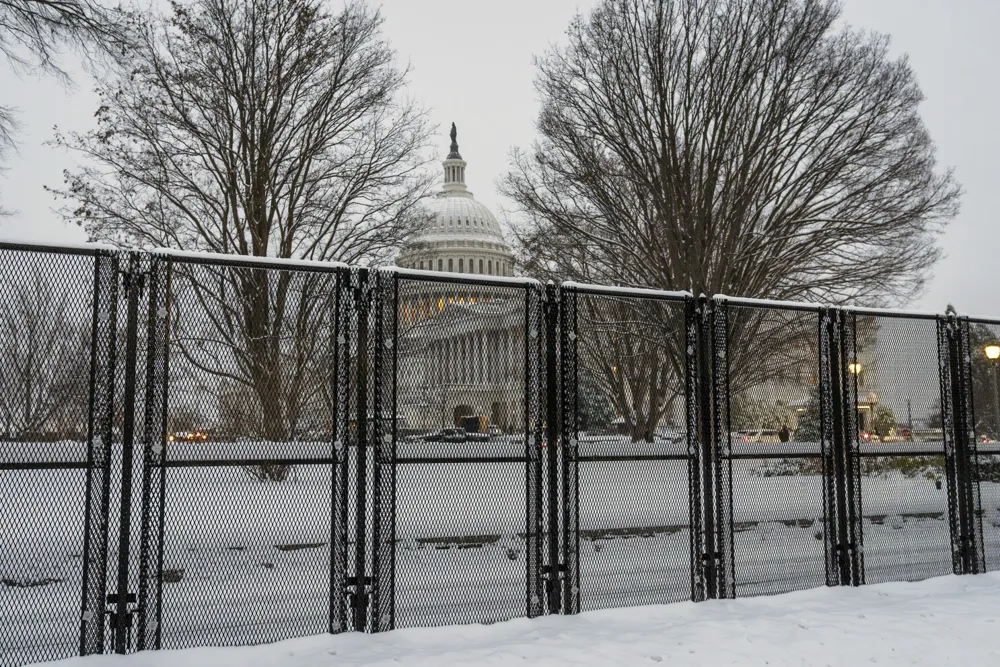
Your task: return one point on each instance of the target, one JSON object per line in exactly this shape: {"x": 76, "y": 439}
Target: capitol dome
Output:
{"x": 462, "y": 235}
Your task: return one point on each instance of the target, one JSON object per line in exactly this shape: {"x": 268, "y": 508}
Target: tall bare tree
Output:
{"x": 32, "y": 33}
{"x": 257, "y": 128}
{"x": 253, "y": 128}
{"x": 746, "y": 147}
{"x": 44, "y": 362}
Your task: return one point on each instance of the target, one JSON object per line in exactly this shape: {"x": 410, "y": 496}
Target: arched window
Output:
{"x": 480, "y": 266}
{"x": 451, "y": 265}
{"x": 460, "y": 265}
{"x": 421, "y": 265}
{"x": 439, "y": 264}
{"x": 489, "y": 266}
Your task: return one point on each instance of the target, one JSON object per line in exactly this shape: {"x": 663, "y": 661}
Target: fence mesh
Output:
{"x": 775, "y": 441}
{"x": 282, "y": 450}
{"x": 632, "y": 528}
{"x": 467, "y": 359}
{"x": 254, "y": 468}
{"x": 904, "y": 482}
{"x": 51, "y": 483}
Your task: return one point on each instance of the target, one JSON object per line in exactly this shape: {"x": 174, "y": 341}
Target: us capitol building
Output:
{"x": 461, "y": 346}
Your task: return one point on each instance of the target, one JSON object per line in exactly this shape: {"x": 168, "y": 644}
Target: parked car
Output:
{"x": 447, "y": 435}
{"x": 763, "y": 435}
{"x": 187, "y": 436}
{"x": 671, "y": 435}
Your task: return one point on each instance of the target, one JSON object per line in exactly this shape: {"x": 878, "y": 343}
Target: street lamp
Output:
{"x": 992, "y": 352}
{"x": 856, "y": 369}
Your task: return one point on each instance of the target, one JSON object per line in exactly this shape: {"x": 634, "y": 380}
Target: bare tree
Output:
{"x": 44, "y": 363}
{"x": 32, "y": 32}
{"x": 253, "y": 128}
{"x": 633, "y": 352}
{"x": 745, "y": 147}
{"x": 257, "y": 128}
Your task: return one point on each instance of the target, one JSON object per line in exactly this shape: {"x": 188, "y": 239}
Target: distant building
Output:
{"x": 462, "y": 348}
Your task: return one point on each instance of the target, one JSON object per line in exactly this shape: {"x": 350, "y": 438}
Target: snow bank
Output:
{"x": 936, "y": 622}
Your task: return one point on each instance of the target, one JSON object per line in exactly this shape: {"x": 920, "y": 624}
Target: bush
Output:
{"x": 269, "y": 472}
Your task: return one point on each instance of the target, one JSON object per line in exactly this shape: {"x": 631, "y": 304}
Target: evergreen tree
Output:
{"x": 809, "y": 427}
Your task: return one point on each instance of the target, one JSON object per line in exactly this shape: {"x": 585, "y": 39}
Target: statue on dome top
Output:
{"x": 454, "y": 154}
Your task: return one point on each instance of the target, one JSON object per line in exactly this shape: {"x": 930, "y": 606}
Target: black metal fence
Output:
{"x": 207, "y": 450}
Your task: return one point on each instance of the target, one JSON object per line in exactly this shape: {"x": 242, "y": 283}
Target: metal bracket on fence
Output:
{"x": 553, "y": 584}
{"x": 356, "y": 592}
{"x": 120, "y": 619}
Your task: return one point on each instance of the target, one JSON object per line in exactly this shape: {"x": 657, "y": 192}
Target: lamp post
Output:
{"x": 855, "y": 368}
{"x": 992, "y": 352}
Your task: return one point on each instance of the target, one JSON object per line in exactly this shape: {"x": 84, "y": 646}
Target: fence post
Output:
{"x": 976, "y": 560}
{"x": 104, "y": 329}
{"x": 341, "y": 386}
{"x": 358, "y": 585}
{"x": 133, "y": 280}
{"x": 569, "y": 446}
{"x": 829, "y": 399}
{"x": 384, "y": 410}
{"x": 839, "y": 458}
{"x": 692, "y": 402}
{"x": 721, "y": 461}
{"x": 846, "y": 409}
{"x": 947, "y": 377}
{"x": 553, "y": 568}
{"x": 706, "y": 433}
{"x": 534, "y": 414}
{"x": 148, "y": 634}
{"x": 964, "y": 513}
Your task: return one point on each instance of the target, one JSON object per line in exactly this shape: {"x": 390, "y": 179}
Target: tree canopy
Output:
{"x": 745, "y": 147}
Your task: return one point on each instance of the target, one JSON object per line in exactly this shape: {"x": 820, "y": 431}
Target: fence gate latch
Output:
{"x": 354, "y": 591}
{"x": 553, "y": 577}
{"x": 112, "y": 600}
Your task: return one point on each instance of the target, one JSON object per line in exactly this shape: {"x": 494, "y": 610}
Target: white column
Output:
{"x": 470, "y": 356}
{"x": 482, "y": 356}
{"x": 465, "y": 359}
{"x": 439, "y": 358}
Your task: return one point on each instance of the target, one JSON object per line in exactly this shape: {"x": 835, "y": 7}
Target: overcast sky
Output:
{"x": 471, "y": 64}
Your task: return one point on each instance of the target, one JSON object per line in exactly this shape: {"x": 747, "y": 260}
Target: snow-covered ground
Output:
{"x": 942, "y": 621}
{"x": 250, "y": 560}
